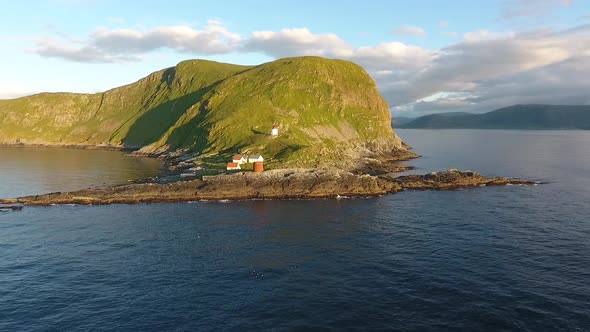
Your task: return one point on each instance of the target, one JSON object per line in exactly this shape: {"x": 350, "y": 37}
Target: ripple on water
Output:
{"x": 508, "y": 258}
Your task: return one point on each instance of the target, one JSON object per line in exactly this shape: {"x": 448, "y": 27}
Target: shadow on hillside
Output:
{"x": 287, "y": 151}
{"x": 194, "y": 133}
{"x": 154, "y": 123}
{"x": 258, "y": 132}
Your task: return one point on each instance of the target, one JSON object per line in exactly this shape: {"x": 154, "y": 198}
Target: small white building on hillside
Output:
{"x": 255, "y": 158}
{"x": 274, "y": 131}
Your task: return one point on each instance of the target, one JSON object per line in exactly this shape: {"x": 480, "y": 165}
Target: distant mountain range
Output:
{"x": 400, "y": 121}
{"x": 512, "y": 117}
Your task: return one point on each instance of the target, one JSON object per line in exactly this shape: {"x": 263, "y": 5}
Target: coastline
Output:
{"x": 175, "y": 162}
{"x": 370, "y": 176}
{"x": 170, "y": 161}
{"x": 68, "y": 146}
{"x": 275, "y": 184}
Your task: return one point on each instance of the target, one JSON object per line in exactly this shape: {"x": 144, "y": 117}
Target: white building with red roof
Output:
{"x": 239, "y": 159}
{"x": 232, "y": 166}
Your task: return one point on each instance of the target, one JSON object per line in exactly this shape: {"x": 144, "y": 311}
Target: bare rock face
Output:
{"x": 452, "y": 179}
{"x": 297, "y": 183}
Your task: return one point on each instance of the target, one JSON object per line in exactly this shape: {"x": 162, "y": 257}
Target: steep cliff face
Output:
{"x": 324, "y": 109}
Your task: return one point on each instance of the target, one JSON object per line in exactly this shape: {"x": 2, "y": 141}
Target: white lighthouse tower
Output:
{"x": 274, "y": 131}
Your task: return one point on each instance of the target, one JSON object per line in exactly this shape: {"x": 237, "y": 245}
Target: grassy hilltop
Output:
{"x": 325, "y": 110}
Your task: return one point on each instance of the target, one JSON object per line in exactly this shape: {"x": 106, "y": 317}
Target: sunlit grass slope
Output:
{"x": 325, "y": 109}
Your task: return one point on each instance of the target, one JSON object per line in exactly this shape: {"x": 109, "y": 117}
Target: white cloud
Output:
{"x": 396, "y": 54}
{"x": 443, "y": 24}
{"x": 483, "y": 35}
{"x": 290, "y": 42}
{"x": 489, "y": 73}
{"x": 410, "y": 30}
{"x": 214, "y": 39}
{"x": 522, "y": 9}
{"x": 451, "y": 34}
{"x": 294, "y": 42}
{"x": 53, "y": 48}
{"x": 383, "y": 72}
{"x": 116, "y": 45}
{"x": 214, "y": 22}
{"x": 486, "y": 69}
{"x": 559, "y": 83}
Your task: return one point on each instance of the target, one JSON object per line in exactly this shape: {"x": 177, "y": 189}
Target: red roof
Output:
{"x": 233, "y": 164}
{"x": 238, "y": 157}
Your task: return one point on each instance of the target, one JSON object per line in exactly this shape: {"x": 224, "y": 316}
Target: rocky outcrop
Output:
{"x": 453, "y": 179}
{"x": 275, "y": 184}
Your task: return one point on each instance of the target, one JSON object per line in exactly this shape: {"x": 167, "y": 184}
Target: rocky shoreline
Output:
{"x": 176, "y": 163}
{"x": 273, "y": 184}
{"x": 67, "y": 146}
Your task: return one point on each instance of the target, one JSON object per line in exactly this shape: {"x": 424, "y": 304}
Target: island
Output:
{"x": 317, "y": 127}
{"x": 275, "y": 184}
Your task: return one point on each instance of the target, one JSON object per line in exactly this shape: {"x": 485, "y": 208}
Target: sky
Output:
{"x": 426, "y": 56}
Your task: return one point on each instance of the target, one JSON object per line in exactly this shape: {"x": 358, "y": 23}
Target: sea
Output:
{"x": 514, "y": 258}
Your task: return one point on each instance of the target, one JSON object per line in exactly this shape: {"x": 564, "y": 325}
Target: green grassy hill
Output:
{"x": 324, "y": 109}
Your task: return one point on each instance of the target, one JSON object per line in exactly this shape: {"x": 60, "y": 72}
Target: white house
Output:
{"x": 254, "y": 158}
{"x": 239, "y": 159}
{"x": 274, "y": 131}
{"x": 232, "y": 166}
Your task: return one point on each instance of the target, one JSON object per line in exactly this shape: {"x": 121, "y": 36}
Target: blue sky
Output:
{"x": 426, "y": 56}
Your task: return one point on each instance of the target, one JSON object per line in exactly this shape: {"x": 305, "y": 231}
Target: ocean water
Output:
{"x": 30, "y": 171}
{"x": 501, "y": 259}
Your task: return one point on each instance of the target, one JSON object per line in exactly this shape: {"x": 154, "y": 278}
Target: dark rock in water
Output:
{"x": 8, "y": 208}
{"x": 453, "y": 179}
